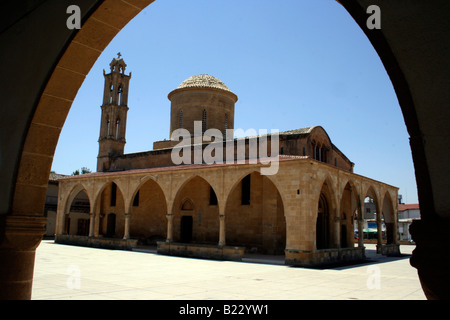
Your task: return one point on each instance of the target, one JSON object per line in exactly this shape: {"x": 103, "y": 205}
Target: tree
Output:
{"x": 83, "y": 171}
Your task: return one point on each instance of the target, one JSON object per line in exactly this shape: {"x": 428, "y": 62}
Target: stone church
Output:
{"x": 309, "y": 209}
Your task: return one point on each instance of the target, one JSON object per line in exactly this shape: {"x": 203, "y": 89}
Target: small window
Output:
{"x": 120, "y": 94}
{"x": 117, "y": 129}
{"x": 113, "y": 194}
{"x": 136, "y": 200}
{"x": 245, "y": 198}
{"x": 111, "y": 90}
{"x": 212, "y": 197}
{"x": 180, "y": 119}
{"x": 204, "y": 118}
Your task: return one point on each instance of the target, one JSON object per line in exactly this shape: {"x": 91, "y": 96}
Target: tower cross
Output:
{"x": 119, "y": 55}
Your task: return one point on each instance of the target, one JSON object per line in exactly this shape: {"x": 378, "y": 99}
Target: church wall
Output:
{"x": 151, "y": 159}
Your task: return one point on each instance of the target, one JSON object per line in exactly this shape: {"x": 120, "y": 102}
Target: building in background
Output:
{"x": 407, "y": 213}
{"x": 306, "y": 210}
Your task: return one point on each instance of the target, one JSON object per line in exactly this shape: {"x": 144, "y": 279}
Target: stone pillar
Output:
{"x": 337, "y": 232}
{"x": 361, "y": 230}
{"x": 60, "y": 222}
{"x": 379, "y": 230}
{"x": 126, "y": 234}
{"x": 91, "y": 224}
{"x": 396, "y": 233}
{"x": 169, "y": 217}
{"x": 22, "y": 235}
{"x": 361, "y": 223}
{"x": 221, "y": 230}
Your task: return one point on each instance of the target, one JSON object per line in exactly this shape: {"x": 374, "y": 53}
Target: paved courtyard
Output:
{"x": 68, "y": 272}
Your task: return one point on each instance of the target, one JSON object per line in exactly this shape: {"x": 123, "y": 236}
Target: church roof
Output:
{"x": 203, "y": 81}
{"x": 298, "y": 131}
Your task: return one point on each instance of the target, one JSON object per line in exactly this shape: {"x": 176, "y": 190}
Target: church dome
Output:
{"x": 203, "y": 81}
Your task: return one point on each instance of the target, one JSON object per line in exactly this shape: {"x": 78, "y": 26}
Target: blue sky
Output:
{"x": 292, "y": 63}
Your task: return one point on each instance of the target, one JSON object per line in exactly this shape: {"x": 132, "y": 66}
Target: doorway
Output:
{"x": 186, "y": 229}
{"x": 111, "y": 225}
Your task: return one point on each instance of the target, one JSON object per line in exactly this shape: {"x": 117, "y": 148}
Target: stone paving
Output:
{"x": 66, "y": 272}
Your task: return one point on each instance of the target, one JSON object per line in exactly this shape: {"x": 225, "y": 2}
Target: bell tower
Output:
{"x": 114, "y": 113}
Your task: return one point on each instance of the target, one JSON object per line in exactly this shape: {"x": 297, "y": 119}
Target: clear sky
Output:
{"x": 292, "y": 64}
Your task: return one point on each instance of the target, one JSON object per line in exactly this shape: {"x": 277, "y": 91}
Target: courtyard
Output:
{"x": 64, "y": 272}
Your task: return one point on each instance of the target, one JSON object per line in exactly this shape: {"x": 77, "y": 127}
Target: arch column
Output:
{"x": 126, "y": 234}
{"x": 337, "y": 224}
{"x": 222, "y": 235}
{"x": 361, "y": 223}
{"x": 21, "y": 236}
{"x": 169, "y": 217}
{"x": 91, "y": 224}
{"x": 379, "y": 227}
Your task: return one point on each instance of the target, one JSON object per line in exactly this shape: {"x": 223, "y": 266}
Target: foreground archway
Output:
{"x": 34, "y": 120}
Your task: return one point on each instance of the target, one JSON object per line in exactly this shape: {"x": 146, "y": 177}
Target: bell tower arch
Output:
{"x": 114, "y": 113}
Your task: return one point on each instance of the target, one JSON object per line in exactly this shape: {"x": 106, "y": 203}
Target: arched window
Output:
{"x": 111, "y": 90}
{"x": 245, "y": 191}
{"x": 108, "y": 127}
{"x": 180, "y": 119}
{"x": 225, "y": 127}
{"x": 117, "y": 129}
{"x": 204, "y": 118}
{"x": 120, "y": 95}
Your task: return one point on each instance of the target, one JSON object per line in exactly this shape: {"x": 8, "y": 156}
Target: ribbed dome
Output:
{"x": 203, "y": 81}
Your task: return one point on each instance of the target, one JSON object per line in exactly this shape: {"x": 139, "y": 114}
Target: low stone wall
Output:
{"x": 104, "y": 243}
{"x": 391, "y": 250}
{"x": 201, "y": 251}
{"x": 324, "y": 257}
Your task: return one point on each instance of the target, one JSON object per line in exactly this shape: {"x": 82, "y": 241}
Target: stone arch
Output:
{"x": 64, "y": 214}
{"x": 77, "y": 219}
{"x": 75, "y": 51}
{"x": 242, "y": 173}
{"x": 148, "y": 209}
{"x": 350, "y": 209}
{"x": 263, "y": 215}
{"x": 136, "y": 187}
{"x": 390, "y": 219}
{"x": 105, "y": 206}
{"x": 180, "y": 184}
{"x": 372, "y": 192}
{"x": 101, "y": 188}
{"x": 72, "y": 194}
{"x": 200, "y": 222}
{"x": 324, "y": 215}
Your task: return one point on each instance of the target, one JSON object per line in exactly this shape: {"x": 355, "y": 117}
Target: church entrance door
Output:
{"x": 186, "y": 229}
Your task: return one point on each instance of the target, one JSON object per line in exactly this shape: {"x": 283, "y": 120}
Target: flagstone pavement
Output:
{"x": 64, "y": 272}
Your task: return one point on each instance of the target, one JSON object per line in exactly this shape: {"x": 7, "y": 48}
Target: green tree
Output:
{"x": 83, "y": 171}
